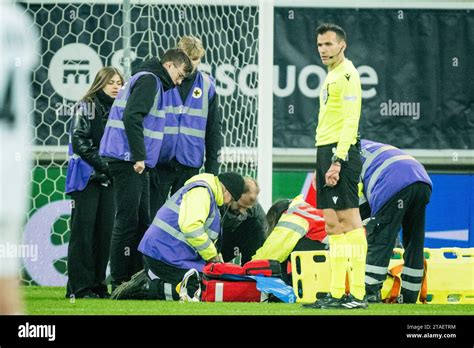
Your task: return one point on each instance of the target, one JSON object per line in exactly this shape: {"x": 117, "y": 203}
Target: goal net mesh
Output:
{"x": 79, "y": 38}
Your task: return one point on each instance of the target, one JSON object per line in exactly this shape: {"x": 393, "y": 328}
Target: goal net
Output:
{"x": 80, "y": 37}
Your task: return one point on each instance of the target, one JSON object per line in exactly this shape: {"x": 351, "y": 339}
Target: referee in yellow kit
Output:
{"x": 338, "y": 167}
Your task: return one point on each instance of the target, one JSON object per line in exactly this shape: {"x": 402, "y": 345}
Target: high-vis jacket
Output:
{"x": 185, "y": 228}
{"x": 386, "y": 170}
{"x": 185, "y": 128}
{"x": 115, "y": 144}
{"x": 300, "y": 220}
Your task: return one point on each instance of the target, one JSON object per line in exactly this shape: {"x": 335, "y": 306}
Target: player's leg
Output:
{"x": 328, "y": 200}
{"x": 356, "y": 249}
{"x": 413, "y": 240}
{"x": 351, "y": 224}
{"x": 11, "y": 301}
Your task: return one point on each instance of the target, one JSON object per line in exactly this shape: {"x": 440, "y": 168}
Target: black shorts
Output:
{"x": 345, "y": 194}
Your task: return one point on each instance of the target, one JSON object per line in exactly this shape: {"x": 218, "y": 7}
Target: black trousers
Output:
{"x": 165, "y": 181}
{"x": 169, "y": 278}
{"x": 407, "y": 210}
{"x": 246, "y": 238}
{"x": 92, "y": 220}
{"x": 132, "y": 219}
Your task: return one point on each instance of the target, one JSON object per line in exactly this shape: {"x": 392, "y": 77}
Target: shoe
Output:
{"x": 350, "y": 302}
{"x": 375, "y": 297}
{"x": 326, "y": 302}
{"x": 135, "y": 289}
{"x": 83, "y": 294}
{"x": 101, "y": 291}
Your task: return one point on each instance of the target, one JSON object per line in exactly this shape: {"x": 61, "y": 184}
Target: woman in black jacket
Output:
{"x": 88, "y": 182}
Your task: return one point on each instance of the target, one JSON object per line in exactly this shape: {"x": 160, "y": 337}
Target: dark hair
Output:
{"x": 325, "y": 27}
{"x": 101, "y": 80}
{"x": 178, "y": 57}
{"x": 275, "y": 212}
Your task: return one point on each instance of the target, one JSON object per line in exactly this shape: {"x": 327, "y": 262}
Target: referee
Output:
{"x": 338, "y": 167}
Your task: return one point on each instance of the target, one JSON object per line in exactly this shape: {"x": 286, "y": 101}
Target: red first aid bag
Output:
{"x": 214, "y": 290}
{"x": 227, "y": 282}
{"x": 267, "y": 268}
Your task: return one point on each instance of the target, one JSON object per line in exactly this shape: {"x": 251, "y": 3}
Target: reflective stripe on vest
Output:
{"x": 185, "y": 128}
{"x": 183, "y": 236}
{"x": 370, "y": 157}
{"x": 292, "y": 226}
{"x": 296, "y": 209}
{"x": 114, "y": 142}
{"x": 379, "y": 170}
{"x": 181, "y": 109}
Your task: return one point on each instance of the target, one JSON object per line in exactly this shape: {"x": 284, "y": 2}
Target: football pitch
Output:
{"x": 51, "y": 301}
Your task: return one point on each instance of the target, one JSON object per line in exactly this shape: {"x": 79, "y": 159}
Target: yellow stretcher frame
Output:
{"x": 450, "y": 275}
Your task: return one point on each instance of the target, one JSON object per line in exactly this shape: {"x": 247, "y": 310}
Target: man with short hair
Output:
{"x": 131, "y": 145}
{"x": 192, "y": 135}
{"x": 338, "y": 166}
{"x": 244, "y": 225}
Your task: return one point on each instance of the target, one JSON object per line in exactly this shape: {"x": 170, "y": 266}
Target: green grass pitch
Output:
{"x": 51, "y": 301}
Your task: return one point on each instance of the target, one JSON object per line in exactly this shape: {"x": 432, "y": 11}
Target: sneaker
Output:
{"x": 350, "y": 302}
{"x": 83, "y": 294}
{"x": 375, "y": 297}
{"x": 326, "y": 302}
{"x": 135, "y": 289}
{"x": 101, "y": 291}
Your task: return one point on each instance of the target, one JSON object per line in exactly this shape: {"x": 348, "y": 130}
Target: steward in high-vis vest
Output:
{"x": 131, "y": 144}
{"x": 396, "y": 190}
{"x": 182, "y": 236}
{"x": 297, "y": 226}
{"x": 192, "y": 136}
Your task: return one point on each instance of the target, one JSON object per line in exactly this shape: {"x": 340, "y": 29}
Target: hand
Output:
{"x": 216, "y": 259}
{"x": 332, "y": 175}
{"x": 139, "y": 167}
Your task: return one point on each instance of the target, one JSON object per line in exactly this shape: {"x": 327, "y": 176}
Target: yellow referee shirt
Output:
{"x": 340, "y": 107}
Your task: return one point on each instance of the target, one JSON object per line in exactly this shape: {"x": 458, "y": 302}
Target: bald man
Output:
{"x": 244, "y": 225}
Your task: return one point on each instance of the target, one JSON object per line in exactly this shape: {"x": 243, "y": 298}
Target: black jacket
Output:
{"x": 230, "y": 220}
{"x": 87, "y": 130}
{"x": 139, "y": 104}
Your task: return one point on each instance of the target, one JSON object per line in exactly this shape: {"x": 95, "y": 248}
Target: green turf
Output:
{"x": 51, "y": 301}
